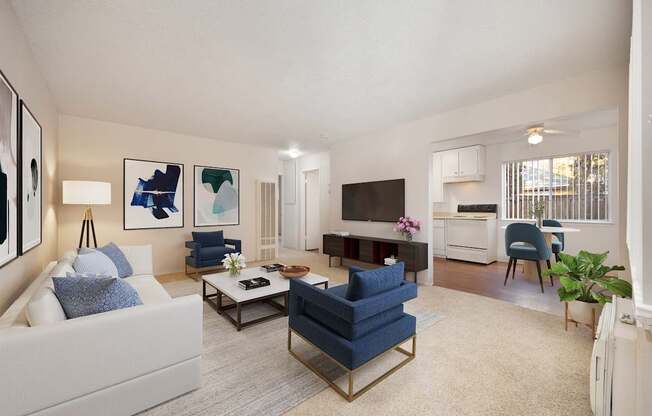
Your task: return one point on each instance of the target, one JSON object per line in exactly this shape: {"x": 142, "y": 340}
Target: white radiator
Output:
{"x": 266, "y": 218}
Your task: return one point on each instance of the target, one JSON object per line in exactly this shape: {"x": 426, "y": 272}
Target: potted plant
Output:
{"x": 234, "y": 262}
{"x": 537, "y": 211}
{"x": 408, "y": 227}
{"x": 586, "y": 286}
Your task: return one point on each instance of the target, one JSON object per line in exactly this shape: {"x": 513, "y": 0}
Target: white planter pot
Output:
{"x": 582, "y": 312}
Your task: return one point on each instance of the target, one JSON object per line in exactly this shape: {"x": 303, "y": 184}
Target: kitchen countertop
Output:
{"x": 463, "y": 216}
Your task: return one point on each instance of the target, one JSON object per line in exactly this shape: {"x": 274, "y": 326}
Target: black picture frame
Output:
{"x": 13, "y": 256}
{"x": 21, "y": 179}
{"x": 194, "y": 194}
{"x": 124, "y": 191}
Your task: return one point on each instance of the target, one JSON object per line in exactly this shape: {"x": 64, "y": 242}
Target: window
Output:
{"x": 574, "y": 188}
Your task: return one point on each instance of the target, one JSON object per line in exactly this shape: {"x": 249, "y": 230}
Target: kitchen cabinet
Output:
{"x": 439, "y": 238}
{"x": 449, "y": 164}
{"x": 465, "y": 164}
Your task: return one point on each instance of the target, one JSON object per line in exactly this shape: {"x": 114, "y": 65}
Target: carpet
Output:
{"x": 251, "y": 372}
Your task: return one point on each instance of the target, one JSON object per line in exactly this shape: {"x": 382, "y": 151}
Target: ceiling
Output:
{"x": 569, "y": 126}
{"x": 306, "y": 73}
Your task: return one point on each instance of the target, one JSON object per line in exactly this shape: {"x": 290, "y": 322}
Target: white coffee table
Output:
{"x": 226, "y": 285}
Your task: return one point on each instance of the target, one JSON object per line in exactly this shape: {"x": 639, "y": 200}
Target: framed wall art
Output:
{"x": 153, "y": 194}
{"x": 8, "y": 171}
{"x": 216, "y": 196}
{"x": 31, "y": 180}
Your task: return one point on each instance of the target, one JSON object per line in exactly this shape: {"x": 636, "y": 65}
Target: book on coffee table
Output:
{"x": 254, "y": 283}
{"x": 274, "y": 267}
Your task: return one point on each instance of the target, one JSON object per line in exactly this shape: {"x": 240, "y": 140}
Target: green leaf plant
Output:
{"x": 584, "y": 278}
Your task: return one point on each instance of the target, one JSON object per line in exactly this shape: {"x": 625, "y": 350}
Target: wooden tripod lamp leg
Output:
{"x": 87, "y": 226}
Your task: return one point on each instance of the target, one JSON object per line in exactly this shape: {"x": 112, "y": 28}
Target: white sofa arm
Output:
{"x": 46, "y": 365}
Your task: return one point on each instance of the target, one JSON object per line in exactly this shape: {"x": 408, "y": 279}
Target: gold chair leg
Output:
{"x": 350, "y": 395}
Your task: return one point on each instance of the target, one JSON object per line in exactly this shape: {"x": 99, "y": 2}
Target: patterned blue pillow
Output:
{"x": 118, "y": 258}
{"x": 82, "y": 296}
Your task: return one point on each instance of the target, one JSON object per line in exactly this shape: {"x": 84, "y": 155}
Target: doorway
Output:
{"x": 311, "y": 210}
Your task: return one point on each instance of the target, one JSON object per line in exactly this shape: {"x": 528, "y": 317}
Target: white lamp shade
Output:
{"x": 86, "y": 193}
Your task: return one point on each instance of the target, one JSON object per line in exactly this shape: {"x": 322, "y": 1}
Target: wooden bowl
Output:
{"x": 293, "y": 272}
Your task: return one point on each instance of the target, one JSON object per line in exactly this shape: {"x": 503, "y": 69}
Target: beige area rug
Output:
{"x": 487, "y": 357}
{"x": 251, "y": 372}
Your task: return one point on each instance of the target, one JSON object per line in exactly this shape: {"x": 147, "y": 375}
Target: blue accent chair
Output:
{"x": 526, "y": 242}
{"x": 207, "y": 249}
{"x": 354, "y": 323}
{"x": 558, "y": 244}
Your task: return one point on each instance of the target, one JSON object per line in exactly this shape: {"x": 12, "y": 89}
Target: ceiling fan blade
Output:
{"x": 552, "y": 131}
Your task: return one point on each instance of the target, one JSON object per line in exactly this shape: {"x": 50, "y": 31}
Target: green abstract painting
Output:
{"x": 217, "y": 196}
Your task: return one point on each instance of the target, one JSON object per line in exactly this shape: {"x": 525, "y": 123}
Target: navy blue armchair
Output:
{"x": 207, "y": 250}
{"x": 525, "y": 241}
{"x": 354, "y": 323}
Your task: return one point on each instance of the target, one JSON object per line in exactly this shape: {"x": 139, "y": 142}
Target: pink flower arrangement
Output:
{"x": 408, "y": 227}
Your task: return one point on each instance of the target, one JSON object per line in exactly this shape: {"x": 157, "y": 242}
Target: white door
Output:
{"x": 449, "y": 164}
{"x": 312, "y": 210}
{"x": 468, "y": 161}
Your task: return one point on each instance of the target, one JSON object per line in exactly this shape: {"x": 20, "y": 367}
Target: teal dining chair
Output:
{"x": 525, "y": 241}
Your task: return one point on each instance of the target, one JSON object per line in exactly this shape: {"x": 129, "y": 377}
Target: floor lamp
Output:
{"x": 87, "y": 193}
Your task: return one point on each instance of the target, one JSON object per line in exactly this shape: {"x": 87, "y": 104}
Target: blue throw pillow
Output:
{"x": 118, "y": 258}
{"x": 353, "y": 270}
{"x": 82, "y": 296}
{"x": 372, "y": 282}
{"x": 209, "y": 239}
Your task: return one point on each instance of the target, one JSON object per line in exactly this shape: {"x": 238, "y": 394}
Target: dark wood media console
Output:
{"x": 375, "y": 250}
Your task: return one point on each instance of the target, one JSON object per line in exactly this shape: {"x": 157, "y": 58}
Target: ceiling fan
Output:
{"x": 535, "y": 133}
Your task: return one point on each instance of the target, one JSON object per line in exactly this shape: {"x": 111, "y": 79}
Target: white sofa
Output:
{"x": 114, "y": 363}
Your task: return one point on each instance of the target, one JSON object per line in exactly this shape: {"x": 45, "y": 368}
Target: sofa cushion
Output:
{"x": 82, "y": 296}
{"x": 348, "y": 330}
{"x": 149, "y": 289}
{"x": 372, "y": 282}
{"x": 44, "y": 308}
{"x": 213, "y": 253}
{"x": 95, "y": 262}
{"x": 209, "y": 239}
{"x": 61, "y": 269}
{"x": 118, "y": 258}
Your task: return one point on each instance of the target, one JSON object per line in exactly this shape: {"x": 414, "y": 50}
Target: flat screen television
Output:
{"x": 382, "y": 201}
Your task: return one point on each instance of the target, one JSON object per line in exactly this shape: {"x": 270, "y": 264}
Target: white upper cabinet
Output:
{"x": 449, "y": 164}
{"x": 463, "y": 165}
{"x": 469, "y": 161}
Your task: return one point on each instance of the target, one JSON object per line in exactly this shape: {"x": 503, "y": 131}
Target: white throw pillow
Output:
{"x": 95, "y": 262}
{"x": 44, "y": 308}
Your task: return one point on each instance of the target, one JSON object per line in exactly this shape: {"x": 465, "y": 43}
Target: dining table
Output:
{"x": 530, "y": 267}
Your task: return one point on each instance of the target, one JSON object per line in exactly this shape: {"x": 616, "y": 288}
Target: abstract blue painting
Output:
{"x": 153, "y": 194}
{"x": 216, "y": 196}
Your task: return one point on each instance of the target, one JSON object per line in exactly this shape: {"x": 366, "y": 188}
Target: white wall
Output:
{"x": 592, "y": 237}
{"x": 19, "y": 66}
{"x": 405, "y": 150}
{"x": 293, "y": 215}
{"x": 94, "y": 150}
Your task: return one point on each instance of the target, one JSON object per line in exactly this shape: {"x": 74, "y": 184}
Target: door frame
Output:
{"x": 303, "y": 217}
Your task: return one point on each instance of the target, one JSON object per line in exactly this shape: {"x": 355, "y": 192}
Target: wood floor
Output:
{"x": 487, "y": 280}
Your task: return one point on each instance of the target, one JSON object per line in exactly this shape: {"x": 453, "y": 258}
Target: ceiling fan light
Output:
{"x": 534, "y": 138}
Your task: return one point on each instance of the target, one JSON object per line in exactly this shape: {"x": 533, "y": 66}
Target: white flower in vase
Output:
{"x": 234, "y": 263}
